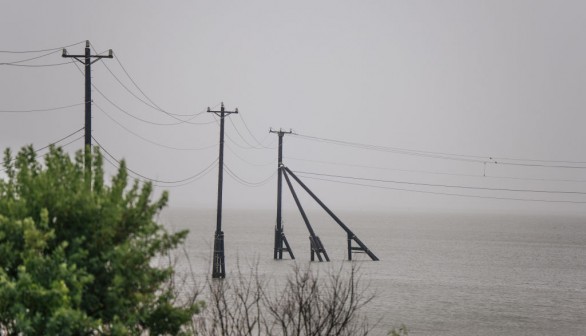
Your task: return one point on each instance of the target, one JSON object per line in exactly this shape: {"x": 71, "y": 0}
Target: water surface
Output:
{"x": 440, "y": 274}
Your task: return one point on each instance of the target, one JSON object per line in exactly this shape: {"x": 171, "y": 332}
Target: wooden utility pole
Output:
{"x": 280, "y": 238}
{"x": 87, "y": 60}
{"x": 218, "y": 264}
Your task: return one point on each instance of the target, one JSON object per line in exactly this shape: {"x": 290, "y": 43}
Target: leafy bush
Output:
{"x": 75, "y": 253}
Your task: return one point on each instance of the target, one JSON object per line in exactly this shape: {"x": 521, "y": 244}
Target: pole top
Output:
{"x": 87, "y": 43}
{"x": 281, "y": 131}
{"x": 222, "y": 110}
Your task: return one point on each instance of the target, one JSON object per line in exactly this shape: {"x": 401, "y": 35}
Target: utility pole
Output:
{"x": 280, "y": 238}
{"x": 218, "y": 266}
{"x": 87, "y": 61}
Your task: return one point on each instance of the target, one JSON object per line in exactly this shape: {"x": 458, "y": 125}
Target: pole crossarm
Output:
{"x": 76, "y": 57}
{"x": 280, "y": 131}
{"x": 222, "y": 112}
{"x": 351, "y": 236}
{"x": 87, "y": 45}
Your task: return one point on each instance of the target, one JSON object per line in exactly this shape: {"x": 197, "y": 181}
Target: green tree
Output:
{"x": 75, "y": 252}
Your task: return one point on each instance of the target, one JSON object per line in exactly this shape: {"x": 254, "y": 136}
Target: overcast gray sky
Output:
{"x": 500, "y": 79}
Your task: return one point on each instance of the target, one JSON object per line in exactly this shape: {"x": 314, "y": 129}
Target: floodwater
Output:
{"x": 439, "y": 274}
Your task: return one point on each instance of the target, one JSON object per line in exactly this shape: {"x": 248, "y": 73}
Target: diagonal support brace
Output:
{"x": 317, "y": 248}
{"x": 351, "y": 236}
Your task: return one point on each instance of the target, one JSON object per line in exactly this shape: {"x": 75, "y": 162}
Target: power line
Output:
{"x": 241, "y": 137}
{"x": 248, "y": 162}
{"x": 246, "y": 182}
{"x": 43, "y": 148}
{"x": 136, "y": 85}
{"x": 149, "y": 99}
{"x": 150, "y": 102}
{"x": 42, "y": 110}
{"x": 130, "y": 91}
{"x": 252, "y": 135}
{"x": 135, "y": 117}
{"x": 446, "y": 194}
{"x": 189, "y": 178}
{"x": 54, "y": 143}
{"x": 128, "y": 113}
{"x": 144, "y": 120}
{"x": 437, "y": 173}
{"x": 235, "y": 143}
{"x": 29, "y": 59}
{"x": 117, "y": 166}
{"x": 250, "y": 146}
{"x": 148, "y": 140}
{"x": 461, "y": 157}
{"x": 38, "y": 65}
{"x": 151, "y": 105}
{"x": 72, "y": 141}
{"x": 41, "y": 50}
{"x": 447, "y": 156}
{"x": 446, "y": 185}
{"x": 65, "y": 137}
{"x": 154, "y": 105}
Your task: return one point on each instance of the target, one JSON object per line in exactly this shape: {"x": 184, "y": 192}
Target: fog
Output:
{"x": 437, "y": 106}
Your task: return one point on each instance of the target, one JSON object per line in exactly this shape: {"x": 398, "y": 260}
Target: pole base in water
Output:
{"x": 218, "y": 266}
{"x": 280, "y": 239}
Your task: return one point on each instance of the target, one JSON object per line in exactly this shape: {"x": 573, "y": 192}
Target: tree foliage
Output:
{"x": 75, "y": 252}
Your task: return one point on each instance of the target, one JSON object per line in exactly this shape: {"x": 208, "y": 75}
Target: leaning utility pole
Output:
{"x": 280, "y": 238}
{"x": 87, "y": 62}
{"x": 218, "y": 266}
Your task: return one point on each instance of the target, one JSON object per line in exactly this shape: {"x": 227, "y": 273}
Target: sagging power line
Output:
{"x": 445, "y": 193}
{"x": 159, "y": 182}
{"x": 42, "y": 109}
{"x": 149, "y": 140}
{"x": 119, "y": 108}
{"x": 147, "y": 101}
{"x": 29, "y": 59}
{"x": 444, "y": 185}
{"x": 53, "y": 143}
{"x": 40, "y": 50}
{"x": 451, "y": 156}
{"x": 420, "y": 171}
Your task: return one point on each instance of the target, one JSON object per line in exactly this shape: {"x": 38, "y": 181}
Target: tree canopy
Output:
{"x": 76, "y": 252}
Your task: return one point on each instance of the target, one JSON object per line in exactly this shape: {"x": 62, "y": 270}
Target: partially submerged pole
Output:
{"x": 280, "y": 238}
{"x": 218, "y": 264}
